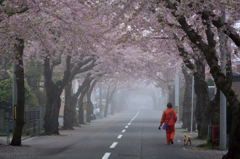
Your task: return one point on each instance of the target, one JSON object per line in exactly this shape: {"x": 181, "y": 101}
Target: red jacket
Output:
{"x": 169, "y": 116}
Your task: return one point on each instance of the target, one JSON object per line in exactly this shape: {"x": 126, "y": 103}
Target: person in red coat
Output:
{"x": 169, "y": 118}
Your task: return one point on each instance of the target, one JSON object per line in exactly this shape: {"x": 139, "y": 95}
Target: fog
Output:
{"x": 138, "y": 101}
{"x": 140, "y": 96}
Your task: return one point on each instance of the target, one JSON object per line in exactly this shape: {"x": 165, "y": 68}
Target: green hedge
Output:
{"x": 6, "y": 94}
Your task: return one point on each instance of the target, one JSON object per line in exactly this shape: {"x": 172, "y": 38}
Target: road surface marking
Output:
{"x": 126, "y": 127}
{"x": 106, "y": 155}
{"x": 28, "y": 139}
{"x": 124, "y": 130}
{"x": 120, "y": 136}
{"x": 135, "y": 116}
{"x": 113, "y": 145}
{"x": 129, "y": 124}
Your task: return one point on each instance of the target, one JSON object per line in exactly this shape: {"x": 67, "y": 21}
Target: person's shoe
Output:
{"x": 171, "y": 141}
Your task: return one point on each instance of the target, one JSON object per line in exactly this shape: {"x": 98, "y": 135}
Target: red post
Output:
{"x": 215, "y": 134}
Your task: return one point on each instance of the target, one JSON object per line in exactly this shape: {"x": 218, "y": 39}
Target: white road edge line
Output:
{"x": 114, "y": 144}
{"x": 126, "y": 127}
{"x": 106, "y": 155}
{"x": 129, "y": 124}
{"x": 124, "y": 130}
{"x": 120, "y": 136}
{"x": 28, "y": 139}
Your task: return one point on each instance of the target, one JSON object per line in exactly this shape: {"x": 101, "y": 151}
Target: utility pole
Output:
{"x": 223, "y": 122}
{"x": 223, "y": 106}
{"x": 14, "y": 102}
{"x": 192, "y": 107}
{"x": 177, "y": 90}
{"x": 100, "y": 96}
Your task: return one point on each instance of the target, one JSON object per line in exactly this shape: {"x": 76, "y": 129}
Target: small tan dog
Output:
{"x": 187, "y": 140}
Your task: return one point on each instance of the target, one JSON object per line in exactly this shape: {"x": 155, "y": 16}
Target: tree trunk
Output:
{"x": 89, "y": 111}
{"x": 113, "y": 105}
{"x": 107, "y": 102}
{"x": 89, "y": 102}
{"x": 71, "y": 101}
{"x": 109, "y": 98}
{"x": 19, "y": 74}
{"x": 187, "y": 104}
{"x": 69, "y": 108}
{"x": 202, "y": 101}
{"x": 80, "y": 104}
{"x": 52, "y": 112}
{"x": 74, "y": 102}
{"x": 89, "y": 107}
{"x": 106, "y": 108}
{"x": 53, "y": 101}
{"x": 80, "y": 110}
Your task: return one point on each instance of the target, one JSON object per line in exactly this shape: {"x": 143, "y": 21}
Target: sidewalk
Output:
{"x": 3, "y": 139}
{"x": 198, "y": 152}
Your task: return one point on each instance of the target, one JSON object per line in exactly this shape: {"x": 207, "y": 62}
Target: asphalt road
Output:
{"x": 131, "y": 135}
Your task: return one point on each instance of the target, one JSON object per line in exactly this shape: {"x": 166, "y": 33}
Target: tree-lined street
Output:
{"x": 68, "y": 64}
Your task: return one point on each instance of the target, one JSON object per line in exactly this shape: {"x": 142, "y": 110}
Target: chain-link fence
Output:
{"x": 33, "y": 121}
{"x": 6, "y": 123}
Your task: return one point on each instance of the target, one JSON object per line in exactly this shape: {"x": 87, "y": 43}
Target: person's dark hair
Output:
{"x": 169, "y": 105}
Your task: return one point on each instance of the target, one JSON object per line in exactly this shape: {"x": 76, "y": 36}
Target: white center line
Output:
{"x": 114, "y": 144}
{"x": 120, "y": 136}
{"x": 134, "y": 117}
{"x": 106, "y": 155}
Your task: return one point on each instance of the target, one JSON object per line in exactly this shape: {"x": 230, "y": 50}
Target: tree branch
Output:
{"x": 208, "y": 51}
{"x": 220, "y": 24}
{"x": 88, "y": 79}
{"x": 86, "y": 66}
{"x": 185, "y": 55}
{"x": 11, "y": 10}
